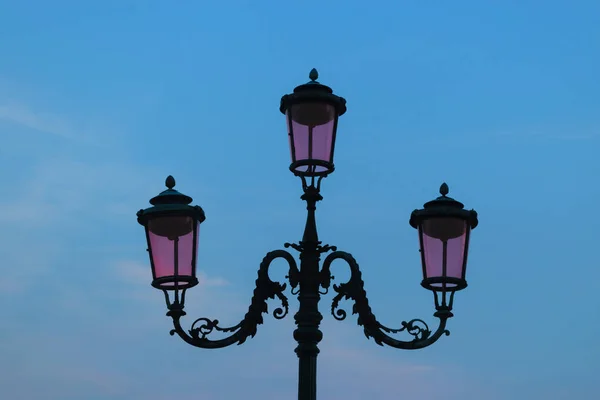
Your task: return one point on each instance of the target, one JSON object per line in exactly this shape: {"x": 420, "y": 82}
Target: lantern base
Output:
{"x": 437, "y": 284}
{"x": 168, "y": 282}
{"x": 311, "y": 168}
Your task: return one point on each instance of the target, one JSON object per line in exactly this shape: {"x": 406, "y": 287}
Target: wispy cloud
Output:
{"x": 104, "y": 382}
{"x": 40, "y": 121}
{"x": 11, "y": 285}
{"x": 50, "y": 204}
{"x": 136, "y": 273}
{"x": 94, "y": 133}
{"x": 368, "y": 372}
{"x": 354, "y": 356}
{"x": 520, "y": 134}
{"x": 56, "y": 189}
{"x": 551, "y": 134}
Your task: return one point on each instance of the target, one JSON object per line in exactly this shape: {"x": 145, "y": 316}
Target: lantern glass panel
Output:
{"x": 312, "y": 128}
{"x": 166, "y": 234}
{"x": 436, "y": 232}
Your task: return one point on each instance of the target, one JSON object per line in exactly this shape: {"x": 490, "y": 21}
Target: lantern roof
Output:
{"x": 313, "y": 91}
{"x": 443, "y": 207}
{"x": 170, "y": 196}
{"x": 444, "y": 200}
{"x": 313, "y": 84}
{"x": 170, "y": 202}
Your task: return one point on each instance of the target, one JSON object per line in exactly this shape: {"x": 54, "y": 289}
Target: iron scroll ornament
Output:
{"x": 354, "y": 289}
{"x": 265, "y": 289}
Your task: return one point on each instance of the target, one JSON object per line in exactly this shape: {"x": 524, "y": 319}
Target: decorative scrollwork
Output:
{"x": 344, "y": 292}
{"x": 294, "y": 246}
{"x": 326, "y": 248}
{"x": 207, "y": 326}
{"x": 265, "y": 289}
{"x": 325, "y": 278}
{"x": 354, "y": 290}
{"x": 320, "y": 248}
{"x": 419, "y": 333}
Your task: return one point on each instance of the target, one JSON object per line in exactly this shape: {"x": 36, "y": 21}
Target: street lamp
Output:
{"x": 172, "y": 226}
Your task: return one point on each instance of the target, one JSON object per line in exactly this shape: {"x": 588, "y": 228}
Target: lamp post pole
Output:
{"x": 307, "y": 334}
{"x": 172, "y": 227}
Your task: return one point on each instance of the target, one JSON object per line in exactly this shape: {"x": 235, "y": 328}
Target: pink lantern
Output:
{"x": 172, "y": 227}
{"x": 444, "y": 228}
{"x": 312, "y": 113}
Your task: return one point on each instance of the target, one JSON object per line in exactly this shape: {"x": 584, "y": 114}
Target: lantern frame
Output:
{"x": 444, "y": 207}
{"x": 316, "y": 93}
{"x": 171, "y": 203}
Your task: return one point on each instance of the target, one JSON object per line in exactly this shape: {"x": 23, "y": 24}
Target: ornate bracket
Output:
{"x": 265, "y": 289}
{"x": 354, "y": 289}
{"x": 295, "y": 278}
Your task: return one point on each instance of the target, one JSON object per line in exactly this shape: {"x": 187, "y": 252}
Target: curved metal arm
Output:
{"x": 354, "y": 289}
{"x": 265, "y": 289}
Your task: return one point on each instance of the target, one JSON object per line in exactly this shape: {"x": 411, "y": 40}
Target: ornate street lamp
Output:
{"x": 312, "y": 113}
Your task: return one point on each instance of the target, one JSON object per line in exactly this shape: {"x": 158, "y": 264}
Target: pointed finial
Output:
{"x": 444, "y": 189}
{"x": 314, "y": 74}
{"x": 170, "y": 182}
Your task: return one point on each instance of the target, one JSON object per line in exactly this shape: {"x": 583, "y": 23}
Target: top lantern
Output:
{"x": 312, "y": 113}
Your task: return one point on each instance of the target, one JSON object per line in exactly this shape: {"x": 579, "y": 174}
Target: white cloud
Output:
{"x": 43, "y": 122}
{"x": 89, "y": 131}
{"x": 551, "y": 134}
{"x": 136, "y": 273}
{"x": 51, "y": 202}
{"x": 518, "y": 135}
{"x": 59, "y": 190}
{"x": 372, "y": 363}
{"x": 204, "y": 280}
{"x": 367, "y": 372}
{"x": 11, "y": 285}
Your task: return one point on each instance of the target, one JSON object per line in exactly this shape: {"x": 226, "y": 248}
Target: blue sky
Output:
{"x": 100, "y": 101}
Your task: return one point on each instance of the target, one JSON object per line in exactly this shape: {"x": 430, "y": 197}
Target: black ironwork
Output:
{"x": 354, "y": 289}
{"x": 311, "y": 279}
{"x": 308, "y": 282}
{"x": 265, "y": 289}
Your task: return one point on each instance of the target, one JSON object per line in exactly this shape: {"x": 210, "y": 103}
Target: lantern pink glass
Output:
{"x": 173, "y": 241}
{"x": 311, "y": 130}
{"x": 444, "y": 246}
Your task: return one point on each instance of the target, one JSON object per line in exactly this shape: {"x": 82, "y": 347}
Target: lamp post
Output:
{"x": 172, "y": 229}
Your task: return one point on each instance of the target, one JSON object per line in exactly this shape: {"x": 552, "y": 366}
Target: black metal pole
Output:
{"x": 308, "y": 317}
